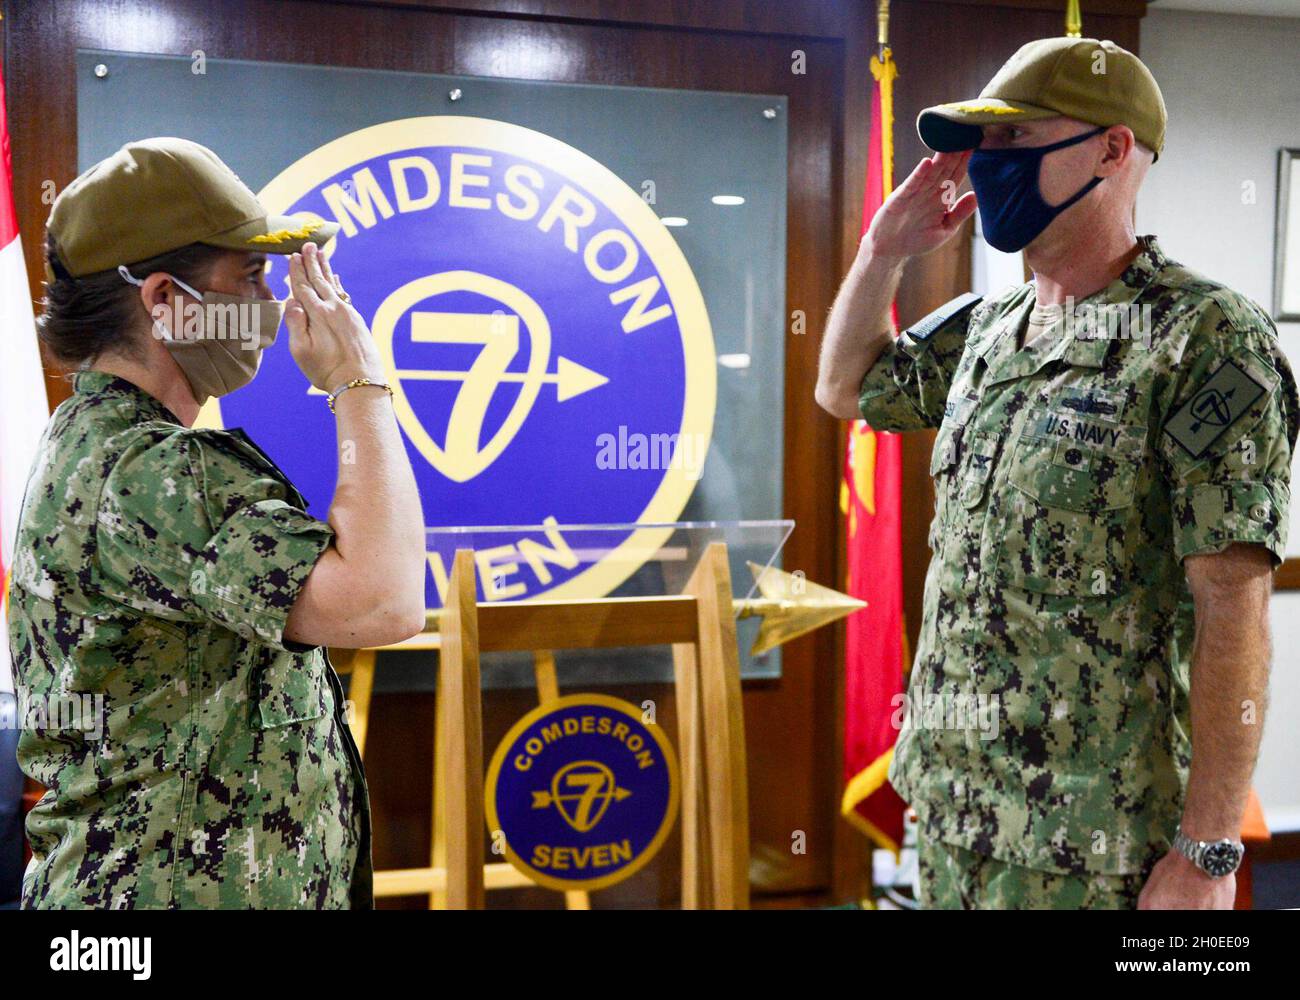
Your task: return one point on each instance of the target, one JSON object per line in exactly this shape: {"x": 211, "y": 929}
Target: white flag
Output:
{"x": 24, "y": 408}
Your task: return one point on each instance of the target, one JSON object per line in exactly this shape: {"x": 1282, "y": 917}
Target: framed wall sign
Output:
{"x": 1286, "y": 272}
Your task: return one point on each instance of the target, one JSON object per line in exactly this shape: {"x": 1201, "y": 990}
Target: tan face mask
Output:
{"x": 223, "y": 350}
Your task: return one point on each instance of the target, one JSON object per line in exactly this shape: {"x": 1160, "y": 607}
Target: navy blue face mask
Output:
{"x": 1012, "y": 210}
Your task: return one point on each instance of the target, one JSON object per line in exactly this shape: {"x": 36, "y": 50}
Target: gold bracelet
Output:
{"x": 352, "y": 385}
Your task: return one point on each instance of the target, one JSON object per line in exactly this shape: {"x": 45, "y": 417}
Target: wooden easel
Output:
{"x": 698, "y": 624}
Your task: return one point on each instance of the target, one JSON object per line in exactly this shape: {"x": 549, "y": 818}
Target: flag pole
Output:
{"x": 883, "y": 71}
{"x": 1073, "y": 20}
{"x": 871, "y": 500}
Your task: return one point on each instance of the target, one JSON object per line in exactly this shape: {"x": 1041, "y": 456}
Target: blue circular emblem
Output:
{"x": 548, "y": 345}
{"x": 581, "y": 793}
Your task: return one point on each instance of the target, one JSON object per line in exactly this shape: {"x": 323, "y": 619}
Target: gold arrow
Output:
{"x": 789, "y": 605}
{"x": 569, "y": 378}
{"x": 544, "y": 799}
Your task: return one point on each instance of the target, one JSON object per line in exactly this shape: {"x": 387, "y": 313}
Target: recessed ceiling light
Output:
{"x": 673, "y": 220}
{"x": 728, "y": 199}
{"x": 734, "y": 360}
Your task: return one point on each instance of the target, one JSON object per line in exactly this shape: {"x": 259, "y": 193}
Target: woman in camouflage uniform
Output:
{"x": 169, "y": 585}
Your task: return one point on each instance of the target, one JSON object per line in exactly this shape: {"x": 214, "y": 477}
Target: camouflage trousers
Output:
{"x": 954, "y": 878}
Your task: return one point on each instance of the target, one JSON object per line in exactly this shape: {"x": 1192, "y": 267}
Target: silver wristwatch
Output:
{"x": 1216, "y": 858}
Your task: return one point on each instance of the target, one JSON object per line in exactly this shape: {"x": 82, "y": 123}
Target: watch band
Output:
{"x": 1216, "y": 858}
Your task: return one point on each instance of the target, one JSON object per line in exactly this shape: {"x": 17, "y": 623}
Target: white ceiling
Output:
{"x": 1273, "y": 8}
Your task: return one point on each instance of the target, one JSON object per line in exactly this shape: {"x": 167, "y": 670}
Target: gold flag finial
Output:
{"x": 882, "y": 23}
{"x": 1073, "y": 20}
{"x": 791, "y": 606}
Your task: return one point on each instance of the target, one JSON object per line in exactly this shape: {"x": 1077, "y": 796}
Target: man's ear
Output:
{"x": 1118, "y": 145}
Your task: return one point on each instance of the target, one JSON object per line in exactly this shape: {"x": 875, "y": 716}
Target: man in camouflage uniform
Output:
{"x": 1096, "y": 428}
{"x": 171, "y": 596}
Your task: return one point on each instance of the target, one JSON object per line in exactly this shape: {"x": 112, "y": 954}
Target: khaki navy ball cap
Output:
{"x": 1083, "y": 78}
{"x": 158, "y": 195}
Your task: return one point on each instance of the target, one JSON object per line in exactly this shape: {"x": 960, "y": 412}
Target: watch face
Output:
{"x": 1220, "y": 859}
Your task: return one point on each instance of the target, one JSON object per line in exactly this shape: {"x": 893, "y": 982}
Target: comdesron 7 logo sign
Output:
{"x": 535, "y": 317}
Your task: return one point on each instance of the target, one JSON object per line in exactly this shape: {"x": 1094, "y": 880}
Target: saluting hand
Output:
{"x": 328, "y": 339}
{"x": 924, "y": 212}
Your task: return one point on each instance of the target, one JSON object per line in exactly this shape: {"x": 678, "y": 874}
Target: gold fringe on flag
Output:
{"x": 884, "y": 70}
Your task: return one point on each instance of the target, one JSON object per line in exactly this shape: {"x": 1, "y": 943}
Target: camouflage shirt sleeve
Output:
{"x": 907, "y": 388}
{"x": 192, "y": 528}
{"x": 1229, "y": 433}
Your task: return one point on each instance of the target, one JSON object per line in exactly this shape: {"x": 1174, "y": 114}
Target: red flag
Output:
{"x": 870, "y": 497}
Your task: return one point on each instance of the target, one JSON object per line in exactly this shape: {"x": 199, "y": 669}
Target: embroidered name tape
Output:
{"x": 958, "y": 411}
{"x": 1122, "y": 439}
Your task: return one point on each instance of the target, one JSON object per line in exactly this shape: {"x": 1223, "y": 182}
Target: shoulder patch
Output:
{"x": 959, "y": 306}
{"x": 1233, "y": 388}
